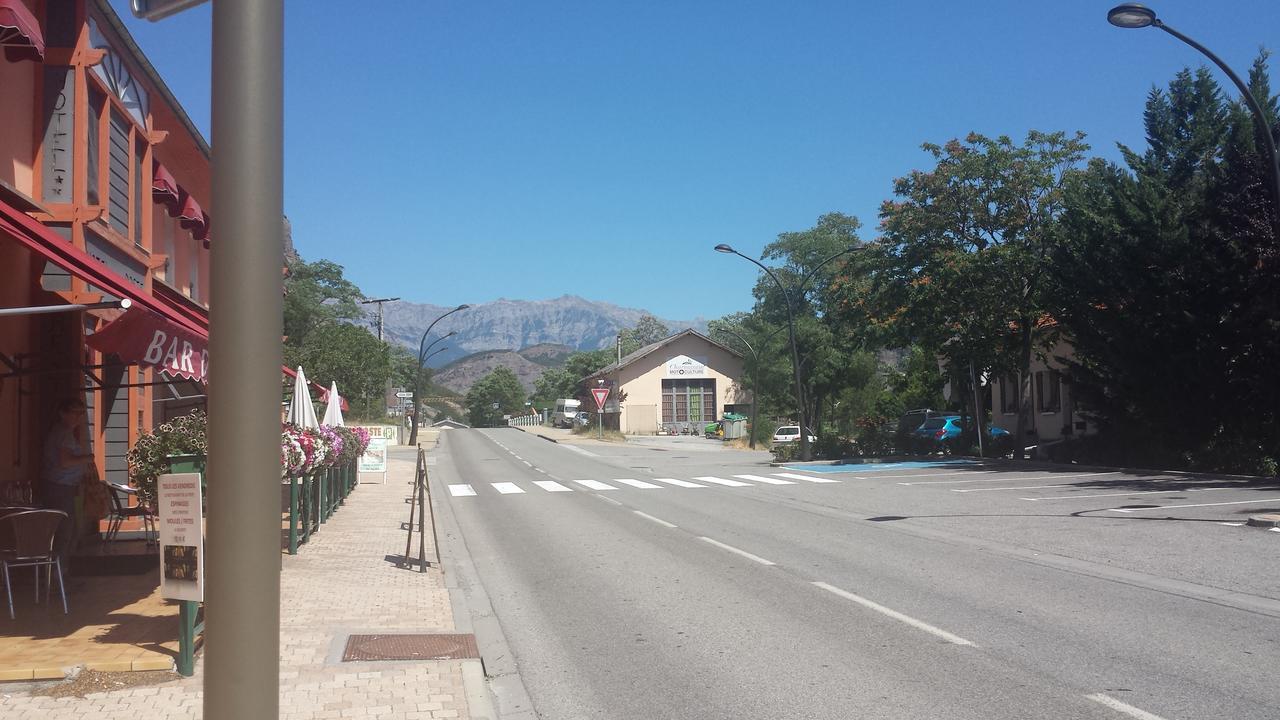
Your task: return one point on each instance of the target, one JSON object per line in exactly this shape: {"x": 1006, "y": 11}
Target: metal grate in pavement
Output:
{"x": 410, "y": 647}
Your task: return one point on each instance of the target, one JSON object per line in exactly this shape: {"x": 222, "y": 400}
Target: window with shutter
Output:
{"x": 118, "y": 162}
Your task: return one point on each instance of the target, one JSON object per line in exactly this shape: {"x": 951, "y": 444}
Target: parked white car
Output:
{"x": 791, "y": 433}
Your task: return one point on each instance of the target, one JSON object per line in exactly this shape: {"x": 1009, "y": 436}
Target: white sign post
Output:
{"x": 374, "y": 459}
{"x": 181, "y": 537}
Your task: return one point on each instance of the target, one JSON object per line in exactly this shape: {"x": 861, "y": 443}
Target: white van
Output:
{"x": 566, "y": 412}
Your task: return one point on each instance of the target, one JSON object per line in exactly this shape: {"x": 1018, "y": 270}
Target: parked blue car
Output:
{"x": 946, "y": 427}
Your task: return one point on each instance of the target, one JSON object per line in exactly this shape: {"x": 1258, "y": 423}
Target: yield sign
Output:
{"x": 600, "y": 394}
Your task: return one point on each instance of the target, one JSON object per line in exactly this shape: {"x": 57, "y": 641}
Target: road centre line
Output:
{"x": 526, "y": 462}
{"x": 1171, "y": 507}
{"x": 1009, "y": 479}
{"x": 647, "y": 516}
{"x": 918, "y": 624}
{"x": 1125, "y": 708}
{"x": 732, "y": 549}
{"x": 606, "y": 499}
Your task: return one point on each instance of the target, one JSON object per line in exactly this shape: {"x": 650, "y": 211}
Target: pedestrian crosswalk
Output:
{"x": 551, "y": 486}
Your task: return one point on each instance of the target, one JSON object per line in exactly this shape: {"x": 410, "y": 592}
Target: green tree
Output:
{"x": 1167, "y": 282}
{"x": 969, "y": 243}
{"x": 351, "y": 356}
{"x": 496, "y": 394}
{"x": 648, "y": 330}
{"x": 316, "y": 294}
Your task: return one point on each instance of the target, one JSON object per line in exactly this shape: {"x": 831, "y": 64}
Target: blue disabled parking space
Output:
{"x": 881, "y": 467}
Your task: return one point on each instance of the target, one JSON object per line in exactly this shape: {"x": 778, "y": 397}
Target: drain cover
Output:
{"x": 410, "y": 647}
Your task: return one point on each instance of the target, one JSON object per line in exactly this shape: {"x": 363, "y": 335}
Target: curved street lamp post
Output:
{"x": 791, "y": 331}
{"x": 422, "y": 358}
{"x": 755, "y": 386}
{"x": 1134, "y": 16}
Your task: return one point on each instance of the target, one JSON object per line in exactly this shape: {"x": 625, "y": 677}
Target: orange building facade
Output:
{"x": 104, "y": 197}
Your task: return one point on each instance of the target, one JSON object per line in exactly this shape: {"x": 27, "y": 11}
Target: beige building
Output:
{"x": 1055, "y": 414}
{"x": 674, "y": 385}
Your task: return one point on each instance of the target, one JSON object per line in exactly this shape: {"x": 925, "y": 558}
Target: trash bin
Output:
{"x": 735, "y": 426}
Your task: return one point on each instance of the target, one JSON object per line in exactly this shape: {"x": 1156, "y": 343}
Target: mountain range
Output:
{"x": 515, "y": 325}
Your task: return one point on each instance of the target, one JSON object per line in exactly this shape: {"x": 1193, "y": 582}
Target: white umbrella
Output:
{"x": 333, "y": 412}
{"x": 301, "y": 411}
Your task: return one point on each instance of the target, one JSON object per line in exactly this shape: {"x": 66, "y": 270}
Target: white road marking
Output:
{"x": 1235, "y": 524}
{"x": 1009, "y": 479}
{"x": 1275, "y": 529}
{"x": 647, "y": 516}
{"x": 806, "y": 478}
{"x": 1125, "y": 708}
{"x": 638, "y": 484}
{"x": 606, "y": 499}
{"x": 721, "y": 481}
{"x": 578, "y": 450}
{"x": 732, "y": 549}
{"x": 1170, "y": 507}
{"x": 594, "y": 485}
{"x": 526, "y": 462}
{"x": 515, "y": 455}
{"x": 1126, "y": 494}
{"x": 461, "y": 490}
{"x": 763, "y": 479}
{"x": 551, "y": 486}
{"x": 507, "y": 488}
{"x": 677, "y": 483}
{"x": 919, "y": 625}
{"x": 877, "y": 476}
{"x": 544, "y": 472}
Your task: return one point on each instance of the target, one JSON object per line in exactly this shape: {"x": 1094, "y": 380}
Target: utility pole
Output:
{"x": 379, "y": 302}
{"x": 386, "y": 392}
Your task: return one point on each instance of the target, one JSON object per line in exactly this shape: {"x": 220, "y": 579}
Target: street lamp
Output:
{"x": 791, "y": 331}
{"x": 1133, "y": 15}
{"x": 422, "y": 358}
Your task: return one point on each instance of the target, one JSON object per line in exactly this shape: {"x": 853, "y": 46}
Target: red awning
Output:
{"x": 20, "y": 33}
{"x": 141, "y": 337}
{"x": 191, "y": 217}
{"x": 201, "y": 231}
{"x": 164, "y": 189}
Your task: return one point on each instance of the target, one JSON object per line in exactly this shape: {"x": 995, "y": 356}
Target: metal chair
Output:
{"x": 121, "y": 510}
{"x": 28, "y": 539}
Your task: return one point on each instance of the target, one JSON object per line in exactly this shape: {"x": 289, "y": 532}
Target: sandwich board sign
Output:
{"x": 181, "y": 536}
{"x": 374, "y": 459}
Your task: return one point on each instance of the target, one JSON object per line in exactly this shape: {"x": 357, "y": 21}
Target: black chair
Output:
{"x": 121, "y": 510}
{"x": 28, "y": 539}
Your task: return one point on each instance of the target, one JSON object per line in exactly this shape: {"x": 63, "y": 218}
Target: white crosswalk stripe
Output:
{"x": 507, "y": 488}
{"x": 766, "y": 480}
{"x": 552, "y": 486}
{"x": 637, "y": 484}
{"x": 806, "y": 478}
{"x": 721, "y": 481}
{"x": 677, "y": 483}
{"x": 461, "y": 490}
{"x": 595, "y": 485}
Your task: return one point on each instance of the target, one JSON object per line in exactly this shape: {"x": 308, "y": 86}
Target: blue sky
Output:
{"x": 463, "y": 151}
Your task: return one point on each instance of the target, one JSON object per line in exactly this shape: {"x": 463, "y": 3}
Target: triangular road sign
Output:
{"x": 600, "y": 394}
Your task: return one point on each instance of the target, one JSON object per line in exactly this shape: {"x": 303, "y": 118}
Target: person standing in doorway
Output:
{"x": 66, "y": 458}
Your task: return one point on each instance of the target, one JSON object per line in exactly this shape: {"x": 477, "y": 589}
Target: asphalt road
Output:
{"x": 895, "y": 591}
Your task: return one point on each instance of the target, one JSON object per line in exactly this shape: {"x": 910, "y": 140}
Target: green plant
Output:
{"x": 149, "y": 456}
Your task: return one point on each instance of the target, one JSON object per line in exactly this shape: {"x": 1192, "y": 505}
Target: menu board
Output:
{"x": 181, "y": 536}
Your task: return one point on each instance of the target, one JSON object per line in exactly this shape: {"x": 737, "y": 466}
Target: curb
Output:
{"x": 1024, "y": 463}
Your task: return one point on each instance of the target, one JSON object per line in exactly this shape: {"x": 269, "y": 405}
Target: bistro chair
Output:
{"x": 27, "y": 539}
{"x": 121, "y": 510}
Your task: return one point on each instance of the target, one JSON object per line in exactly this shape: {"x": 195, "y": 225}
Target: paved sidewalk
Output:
{"x": 339, "y": 584}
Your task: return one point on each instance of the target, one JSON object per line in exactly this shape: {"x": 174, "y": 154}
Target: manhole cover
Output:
{"x": 410, "y": 647}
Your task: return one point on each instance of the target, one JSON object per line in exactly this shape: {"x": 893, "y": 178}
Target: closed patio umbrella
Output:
{"x": 333, "y": 412}
{"x": 301, "y": 411}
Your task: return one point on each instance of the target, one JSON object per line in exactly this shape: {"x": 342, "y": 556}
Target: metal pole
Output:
{"x": 978, "y": 410}
{"x": 422, "y": 348}
{"x": 755, "y": 389}
{"x": 242, "y": 653}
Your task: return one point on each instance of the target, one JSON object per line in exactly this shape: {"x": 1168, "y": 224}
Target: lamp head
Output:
{"x": 461, "y": 307}
{"x": 724, "y": 248}
{"x": 1131, "y": 15}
